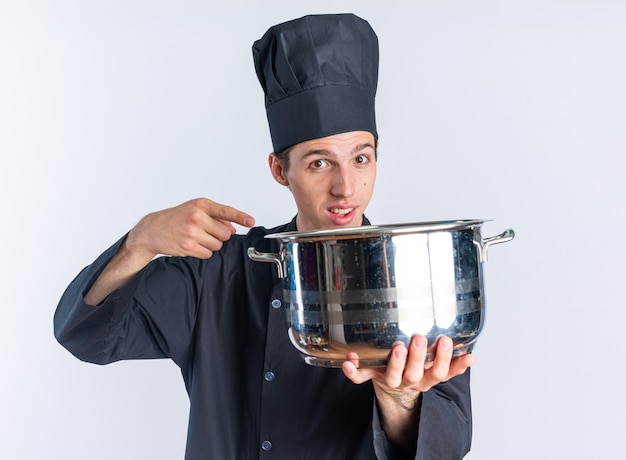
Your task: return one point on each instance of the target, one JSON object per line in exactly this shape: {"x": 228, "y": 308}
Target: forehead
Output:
{"x": 344, "y": 143}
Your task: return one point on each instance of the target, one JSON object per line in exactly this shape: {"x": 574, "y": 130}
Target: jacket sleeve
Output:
{"x": 445, "y": 426}
{"x": 79, "y": 327}
{"x": 152, "y": 316}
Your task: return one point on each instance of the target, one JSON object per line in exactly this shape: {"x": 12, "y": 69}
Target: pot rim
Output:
{"x": 378, "y": 230}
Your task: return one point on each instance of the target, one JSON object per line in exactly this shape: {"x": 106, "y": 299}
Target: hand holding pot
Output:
{"x": 407, "y": 368}
{"x": 399, "y": 385}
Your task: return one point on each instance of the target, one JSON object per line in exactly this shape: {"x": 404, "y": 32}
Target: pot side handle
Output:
{"x": 484, "y": 244}
{"x": 268, "y": 257}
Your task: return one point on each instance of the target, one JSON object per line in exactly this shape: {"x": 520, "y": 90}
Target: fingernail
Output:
{"x": 446, "y": 343}
{"x": 399, "y": 354}
{"x": 419, "y": 344}
{"x": 248, "y": 222}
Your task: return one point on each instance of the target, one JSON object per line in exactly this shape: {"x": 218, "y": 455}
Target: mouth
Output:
{"x": 341, "y": 211}
{"x": 342, "y": 216}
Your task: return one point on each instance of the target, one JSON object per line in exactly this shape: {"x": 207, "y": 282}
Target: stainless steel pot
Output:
{"x": 361, "y": 289}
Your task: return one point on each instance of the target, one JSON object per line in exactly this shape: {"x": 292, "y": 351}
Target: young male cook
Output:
{"x": 219, "y": 316}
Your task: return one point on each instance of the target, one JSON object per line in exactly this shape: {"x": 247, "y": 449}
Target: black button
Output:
{"x": 269, "y": 376}
{"x": 276, "y": 303}
{"x": 266, "y": 445}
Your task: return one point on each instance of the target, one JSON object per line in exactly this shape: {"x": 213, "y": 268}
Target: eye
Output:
{"x": 361, "y": 159}
{"x": 318, "y": 164}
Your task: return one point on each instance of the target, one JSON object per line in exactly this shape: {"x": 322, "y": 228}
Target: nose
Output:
{"x": 343, "y": 182}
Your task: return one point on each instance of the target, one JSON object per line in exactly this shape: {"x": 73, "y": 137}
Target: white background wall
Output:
{"x": 508, "y": 110}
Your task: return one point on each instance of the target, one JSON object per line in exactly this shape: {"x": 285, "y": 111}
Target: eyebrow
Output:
{"x": 328, "y": 153}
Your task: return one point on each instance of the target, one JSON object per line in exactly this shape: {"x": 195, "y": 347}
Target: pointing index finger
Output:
{"x": 230, "y": 214}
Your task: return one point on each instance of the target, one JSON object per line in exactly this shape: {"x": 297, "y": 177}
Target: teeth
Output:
{"x": 341, "y": 212}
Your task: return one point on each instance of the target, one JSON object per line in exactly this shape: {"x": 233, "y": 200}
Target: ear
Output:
{"x": 277, "y": 170}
